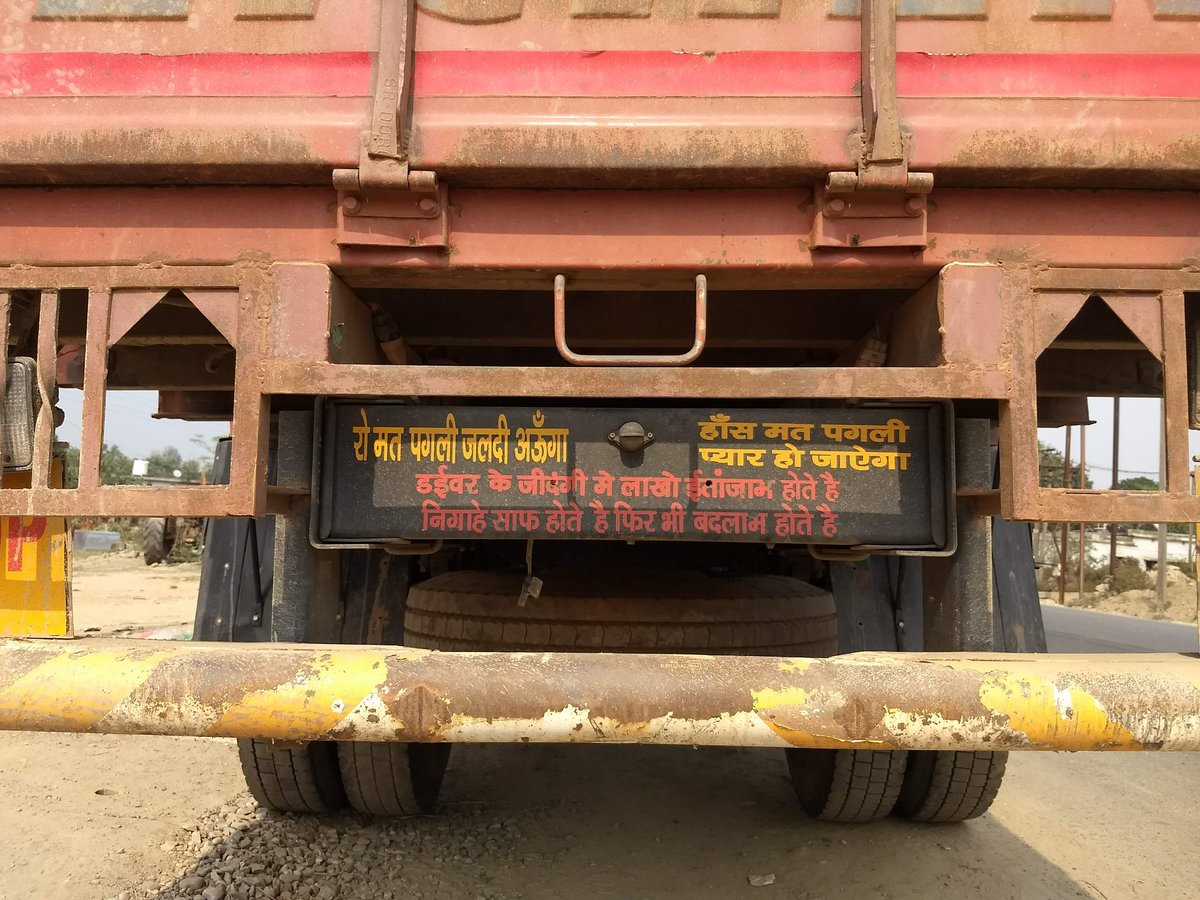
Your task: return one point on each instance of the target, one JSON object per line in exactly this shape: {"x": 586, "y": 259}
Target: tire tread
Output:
{"x": 951, "y": 785}
{"x": 848, "y": 786}
{"x": 761, "y": 615}
{"x": 301, "y": 780}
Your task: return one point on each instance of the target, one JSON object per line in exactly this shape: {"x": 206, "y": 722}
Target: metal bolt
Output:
{"x": 351, "y": 205}
{"x": 914, "y": 205}
{"x": 427, "y": 205}
{"x": 835, "y": 207}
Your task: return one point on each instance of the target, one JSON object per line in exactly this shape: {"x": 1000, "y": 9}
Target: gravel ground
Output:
{"x": 240, "y": 852}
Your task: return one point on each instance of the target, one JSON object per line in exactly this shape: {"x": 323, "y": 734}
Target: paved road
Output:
{"x": 1089, "y": 631}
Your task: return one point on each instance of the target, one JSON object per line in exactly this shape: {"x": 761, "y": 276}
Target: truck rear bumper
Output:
{"x": 885, "y": 701}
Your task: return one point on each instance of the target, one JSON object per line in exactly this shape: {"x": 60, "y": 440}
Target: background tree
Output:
{"x": 1142, "y": 483}
{"x": 117, "y": 468}
{"x": 1050, "y": 469}
{"x": 1137, "y": 483}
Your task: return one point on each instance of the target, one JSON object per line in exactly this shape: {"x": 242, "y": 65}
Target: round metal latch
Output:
{"x": 630, "y": 437}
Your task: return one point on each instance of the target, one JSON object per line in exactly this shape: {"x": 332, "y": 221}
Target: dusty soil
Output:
{"x": 94, "y": 817}
{"x": 117, "y": 593}
{"x": 1181, "y": 599}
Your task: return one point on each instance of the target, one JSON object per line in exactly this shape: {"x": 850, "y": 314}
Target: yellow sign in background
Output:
{"x": 35, "y": 580}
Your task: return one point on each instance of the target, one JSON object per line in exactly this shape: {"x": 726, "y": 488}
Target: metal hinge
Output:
{"x": 383, "y": 187}
{"x": 882, "y": 204}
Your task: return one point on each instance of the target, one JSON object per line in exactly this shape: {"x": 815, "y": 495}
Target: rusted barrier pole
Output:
{"x": 864, "y": 700}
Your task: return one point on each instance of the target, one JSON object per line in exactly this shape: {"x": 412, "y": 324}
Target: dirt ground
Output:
{"x": 94, "y": 817}
{"x": 1181, "y": 599}
{"x": 118, "y": 594}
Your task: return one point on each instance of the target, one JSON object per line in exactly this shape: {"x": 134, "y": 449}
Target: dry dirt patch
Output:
{"x": 117, "y": 593}
{"x": 1180, "y": 595}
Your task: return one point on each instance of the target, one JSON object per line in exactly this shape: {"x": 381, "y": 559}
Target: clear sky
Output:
{"x": 1140, "y": 429}
{"x": 128, "y": 425}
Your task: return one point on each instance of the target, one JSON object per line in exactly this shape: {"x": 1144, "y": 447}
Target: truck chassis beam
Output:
{"x": 963, "y": 701}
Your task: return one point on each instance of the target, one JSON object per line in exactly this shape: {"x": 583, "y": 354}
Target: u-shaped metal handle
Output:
{"x": 582, "y": 359}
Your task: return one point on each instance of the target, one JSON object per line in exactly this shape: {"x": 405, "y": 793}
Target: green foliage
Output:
{"x": 1050, "y": 467}
{"x": 117, "y": 468}
{"x": 163, "y": 463}
{"x": 1128, "y": 575}
{"x": 1137, "y": 483}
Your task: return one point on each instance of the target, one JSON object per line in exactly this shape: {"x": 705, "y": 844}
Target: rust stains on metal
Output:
{"x": 984, "y": 320}
{"x": 1090, "y": 160}
{"x": 636, "y": 381}
{"x": 260, "y": 154}
{"x": 653, "y": 153}
{"x": 881, "y": 701}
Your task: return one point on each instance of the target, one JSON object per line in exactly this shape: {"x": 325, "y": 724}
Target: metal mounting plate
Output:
{"x": 868, "y": 219}
{"x": 393, "y": 218}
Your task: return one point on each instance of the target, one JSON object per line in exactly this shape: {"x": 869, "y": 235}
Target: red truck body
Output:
{"x": 716, "y": 94}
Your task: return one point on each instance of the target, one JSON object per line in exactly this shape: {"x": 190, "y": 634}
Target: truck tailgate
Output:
{"x": 602, "y": 92}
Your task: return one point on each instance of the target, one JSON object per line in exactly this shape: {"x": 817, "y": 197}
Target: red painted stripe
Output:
{"x": 616, "y": 73}
{"x": 769, "y": 73}
{"x": 197, "y": 75}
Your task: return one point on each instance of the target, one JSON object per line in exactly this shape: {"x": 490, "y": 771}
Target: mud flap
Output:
{"x": 880, "y": 599}
{"x": 35, "y": 569}
{"x": 236, "y": 582}
{"x": 235, "y": 571}
{"x": 1018, "y": 619}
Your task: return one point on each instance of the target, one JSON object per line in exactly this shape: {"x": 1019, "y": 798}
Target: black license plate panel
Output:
{"x": 867, "y": 477}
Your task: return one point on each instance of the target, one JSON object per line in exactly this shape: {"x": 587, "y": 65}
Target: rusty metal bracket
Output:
{"x": 394, "y": 218}
{"x": 868, "y": 219}
{"x": 883, "y": 153}
{"x": 383, "y": 159}
{"x": 882, "y": 204}
{"x": 233, "y": 299}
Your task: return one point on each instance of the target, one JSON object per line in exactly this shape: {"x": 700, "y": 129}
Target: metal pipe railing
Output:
{"x": 884, "y": 701}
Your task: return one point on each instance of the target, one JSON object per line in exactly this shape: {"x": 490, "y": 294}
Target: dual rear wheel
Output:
{"x": 616, "y": 611}
{"x": 922, "y": 785}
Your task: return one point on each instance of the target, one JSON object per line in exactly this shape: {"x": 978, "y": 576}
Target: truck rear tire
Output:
{"x": 950, "y": 785}
{"x": 847, "y": 785}
{"x": 300, "y": 780}
{"x": 158, "y": 539}
{"x": 388, "y": 779}
{"x": 384, "y": 779}
{"x": 623, "y": 610}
